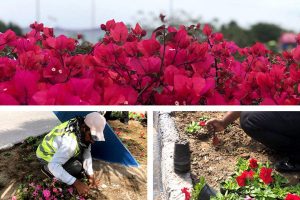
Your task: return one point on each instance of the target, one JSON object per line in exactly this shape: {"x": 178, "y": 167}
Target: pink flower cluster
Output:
{"x": 47, "y": 190}
{"x": 185, "y": 65}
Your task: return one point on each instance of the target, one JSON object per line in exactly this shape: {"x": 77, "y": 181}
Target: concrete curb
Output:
{"x": 172, "y": 182}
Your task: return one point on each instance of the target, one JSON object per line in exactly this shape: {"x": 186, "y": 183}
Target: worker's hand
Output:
{"x": 81, "y": 188}
{"x": 93, "y": 183}
{"x": 215, "y": 125}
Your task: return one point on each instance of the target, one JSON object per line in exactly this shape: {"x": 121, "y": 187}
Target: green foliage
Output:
{"x": 260, "y": 32}
{"x": 193, "y": 127}
{"x": 33, "y": 142}
{"x": 83, "y": 48}
{"x": 33, "y": 189}
{"x": 15, "y": 28}
{"x": 4, "y": 27}
{"x": 204, "y": 118}
{"x": 242, "y": 37}
{"x": 264, "y": 32}
{"x": 198, "y": 188}
{"x": 7, "y": 154}
{"x": 116, "y": 114}
{"x": 136, "y": 116}
{"x": 227, "y": 196}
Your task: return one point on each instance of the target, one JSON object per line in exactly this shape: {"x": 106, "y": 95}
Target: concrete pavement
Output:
{"x": 15, "y": 126}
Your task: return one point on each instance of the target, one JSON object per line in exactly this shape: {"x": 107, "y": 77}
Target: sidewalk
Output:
{"x": 15, "y": 126}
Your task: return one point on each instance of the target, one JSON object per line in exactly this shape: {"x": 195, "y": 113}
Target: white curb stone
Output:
{"x": 172, "y": 182}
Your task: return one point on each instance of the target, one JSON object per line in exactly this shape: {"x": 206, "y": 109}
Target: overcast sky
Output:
{"x": 76, "y": 14}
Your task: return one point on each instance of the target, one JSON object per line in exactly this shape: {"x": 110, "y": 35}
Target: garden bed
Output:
{"x": 19, "y": 162}
{"x": 217, "y": 163}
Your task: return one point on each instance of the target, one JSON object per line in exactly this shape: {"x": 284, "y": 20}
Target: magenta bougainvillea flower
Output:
{"x": 172, "y": 66}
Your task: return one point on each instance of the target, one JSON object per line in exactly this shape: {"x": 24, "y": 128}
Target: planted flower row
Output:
{"x": 185, "y": 65}
{"x": 253, "y": 180}
{"x": 47, "y": 189}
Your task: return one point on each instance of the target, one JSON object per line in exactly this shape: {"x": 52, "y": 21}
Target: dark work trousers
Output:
{"x": 279, "y": 131}
{"x": 73, "y": 166}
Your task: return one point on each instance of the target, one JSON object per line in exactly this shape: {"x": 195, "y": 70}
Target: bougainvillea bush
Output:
{"x": 253, "y": 180}
{"x": 184, "y": 65}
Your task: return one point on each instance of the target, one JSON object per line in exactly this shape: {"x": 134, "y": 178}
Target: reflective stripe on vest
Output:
{"x": 46, "y": 150}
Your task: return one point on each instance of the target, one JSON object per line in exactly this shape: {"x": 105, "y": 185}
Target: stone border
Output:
{"x": 172, "y": 182}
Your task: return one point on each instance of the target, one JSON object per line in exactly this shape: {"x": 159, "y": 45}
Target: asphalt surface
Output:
{"x": 15, "y": 126}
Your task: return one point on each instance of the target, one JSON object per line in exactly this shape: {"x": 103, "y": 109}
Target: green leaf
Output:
{"x": 198, "y": 188}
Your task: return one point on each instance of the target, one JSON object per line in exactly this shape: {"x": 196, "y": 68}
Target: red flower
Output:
{"x": 296, "y": 54}
{"x": 253, "y": 163}
{"x": 120, "y": 32}
{"x": 202, "y": 123}
{"x": 241, "y": 181}
{"x": 246, "y": 175}
{"x": 186, "y": 193}
{"x": 292, "y": 197}
{"x": 207, "y": 30}
{"x": 79, "y": 36}
{"x": 265, "y": 175}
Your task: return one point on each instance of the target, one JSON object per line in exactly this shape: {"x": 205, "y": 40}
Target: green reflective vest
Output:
{"x": 46, "y": 150}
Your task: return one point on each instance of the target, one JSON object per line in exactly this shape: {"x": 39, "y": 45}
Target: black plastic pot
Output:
{"x": 206, "y": 193}
{"x": 182, "y": 156}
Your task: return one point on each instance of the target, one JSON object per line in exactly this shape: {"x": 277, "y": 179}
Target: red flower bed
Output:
{"x": 188, "y": 65}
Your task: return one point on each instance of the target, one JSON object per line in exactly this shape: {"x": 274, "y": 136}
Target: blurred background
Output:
{"x": 273, "y": 22}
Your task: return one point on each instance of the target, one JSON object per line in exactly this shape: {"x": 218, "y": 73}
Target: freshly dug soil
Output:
{"x": 217, "y": 163}
{"x": 125, "y": 182}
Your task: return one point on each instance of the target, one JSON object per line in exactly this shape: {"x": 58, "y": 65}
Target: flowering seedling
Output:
{"x": 202, "y": 120}
{"x": 193, "y": 127}
{"x": 45, "y": 189}
{"x": 137, "y": 116}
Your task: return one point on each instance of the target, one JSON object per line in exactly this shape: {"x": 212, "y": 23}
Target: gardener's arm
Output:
{"x": 88, "y": 167}
{"x": 220, "y": 124}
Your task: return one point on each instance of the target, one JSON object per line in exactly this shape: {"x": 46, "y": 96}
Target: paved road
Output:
{"x": 15, "y": 126}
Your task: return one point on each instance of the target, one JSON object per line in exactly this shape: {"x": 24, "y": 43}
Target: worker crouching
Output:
{"x": 65, "y": 152}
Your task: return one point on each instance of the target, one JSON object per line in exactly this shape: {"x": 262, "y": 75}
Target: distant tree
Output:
{"x": 10, "y": 25}
{"x": 264, "y": 32}
{"x": 2, "y": 26}
{"x": 232, "y": 31}
{"x": 15, "y": 28}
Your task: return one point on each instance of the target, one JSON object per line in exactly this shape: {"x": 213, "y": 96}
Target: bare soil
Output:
{"x": 125, "y": 183}
{"x": 217, "y": 163}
